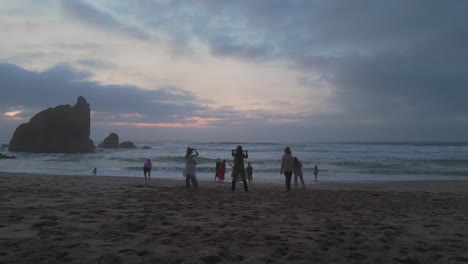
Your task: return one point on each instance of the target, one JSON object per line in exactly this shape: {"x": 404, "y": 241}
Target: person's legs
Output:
{"x": 295, "y": 181}
{"x": 301, "y": 177}
{"x": 233, "y": 186}
{"x": 244, "y": 180}
{"x": 149, "y": 175}
{"x": 194, "y": 182}
{"x": 288, "y": 176}
{"x": 187, "y": 181}
{"x": 246, "y": 188}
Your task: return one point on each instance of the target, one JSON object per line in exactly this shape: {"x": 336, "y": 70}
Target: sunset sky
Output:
{"x": 243, "y": 70}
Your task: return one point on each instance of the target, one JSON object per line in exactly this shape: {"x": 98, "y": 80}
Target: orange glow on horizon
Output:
{"x": 193, "y": 122}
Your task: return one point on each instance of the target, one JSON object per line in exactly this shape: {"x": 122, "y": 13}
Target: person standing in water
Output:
{"x": 94, "y": 171}
{"x": 147, "y": 170}
{"x": 287, "y": 167}
{"x": 189, "y": 171}
{"x": 238, "y": 168}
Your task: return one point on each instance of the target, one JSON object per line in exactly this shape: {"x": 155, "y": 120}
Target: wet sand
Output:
{"x": 73, "y": 219}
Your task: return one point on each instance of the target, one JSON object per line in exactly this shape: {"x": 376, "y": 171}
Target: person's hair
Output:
{"x": 238, "y": 151}
{"x": 296, "y": 161}
{"x": 287, "y": 150}
{"x": 189, "y": 151}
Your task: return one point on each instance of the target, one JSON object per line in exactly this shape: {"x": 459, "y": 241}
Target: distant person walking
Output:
{"x": 238, "y": 168}
{"x": 189, "y": 171}
{"x": 94, "y": 171}
{"x": 222, "y": 171}
{"x": 287, "y": 167}
{"x": 298, "y": 173}
{"x": 316, "y": 171}
{"x": 147, "y": 170}
{"x": 249, "y": 170}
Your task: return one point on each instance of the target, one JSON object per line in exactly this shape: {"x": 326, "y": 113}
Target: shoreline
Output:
{"x": 455, "y": 186}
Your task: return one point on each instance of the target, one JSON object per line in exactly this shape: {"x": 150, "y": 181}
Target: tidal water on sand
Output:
{"x": 377, "y": 161}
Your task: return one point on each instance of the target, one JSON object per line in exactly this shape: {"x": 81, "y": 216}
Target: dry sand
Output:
{"x": 70, "y": 219}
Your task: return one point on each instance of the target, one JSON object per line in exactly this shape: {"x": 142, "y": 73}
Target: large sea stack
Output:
{"x": 62, "y": 129}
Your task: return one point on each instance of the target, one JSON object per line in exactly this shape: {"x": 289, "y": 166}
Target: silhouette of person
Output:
{"x": 147, "y": 170}
{"x": 238, "y": 168}
{"x": 94, "y": 171}
{"x": 287, "y": 167}
{"x": 189, "y": 171}
{"x": 249, "y": 170}
{"x": 298, "y": 173}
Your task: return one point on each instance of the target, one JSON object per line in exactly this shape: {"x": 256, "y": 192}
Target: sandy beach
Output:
{"x": 84, "y": 219}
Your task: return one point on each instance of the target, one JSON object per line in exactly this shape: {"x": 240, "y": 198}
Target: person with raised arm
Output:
{"x": 238, "y": 169}
{"x": 189, "y": 171}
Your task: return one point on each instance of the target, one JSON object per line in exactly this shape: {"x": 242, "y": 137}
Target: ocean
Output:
{"x": 337, "y": 162}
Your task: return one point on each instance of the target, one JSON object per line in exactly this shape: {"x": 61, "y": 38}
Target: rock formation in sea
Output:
{"x": 110, "y": 142}
{"x": 127, "y": 144}
{"x": 61, "y": 129}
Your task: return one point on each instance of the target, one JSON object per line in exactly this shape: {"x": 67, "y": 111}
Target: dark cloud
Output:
{"x": 394, "y": 66}
{"x": 88, "y": 14}
{"x": 62, "y": 84}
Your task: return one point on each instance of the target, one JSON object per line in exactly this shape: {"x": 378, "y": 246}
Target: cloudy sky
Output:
{"x": 244, "y": 70}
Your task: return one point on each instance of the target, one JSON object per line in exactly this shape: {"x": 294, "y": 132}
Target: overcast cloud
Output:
{"x": 337, "y": 70}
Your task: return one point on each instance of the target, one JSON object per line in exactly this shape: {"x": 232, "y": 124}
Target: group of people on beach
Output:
{"x": 220, "y": 170}
{"x": 289, "y": 165}
{"x": 292, "y": 165}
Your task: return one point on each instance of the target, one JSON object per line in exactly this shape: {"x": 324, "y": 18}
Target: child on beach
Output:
{"x": 218, "y": 163}
{"x": 298, "y": 173}
{"x": 147, "y": 170}
{"x": 316, "y": 171}
{"x": 222, "y": 171}
{"x": 189, "y": 171}
{"x": 249, "y": 170}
